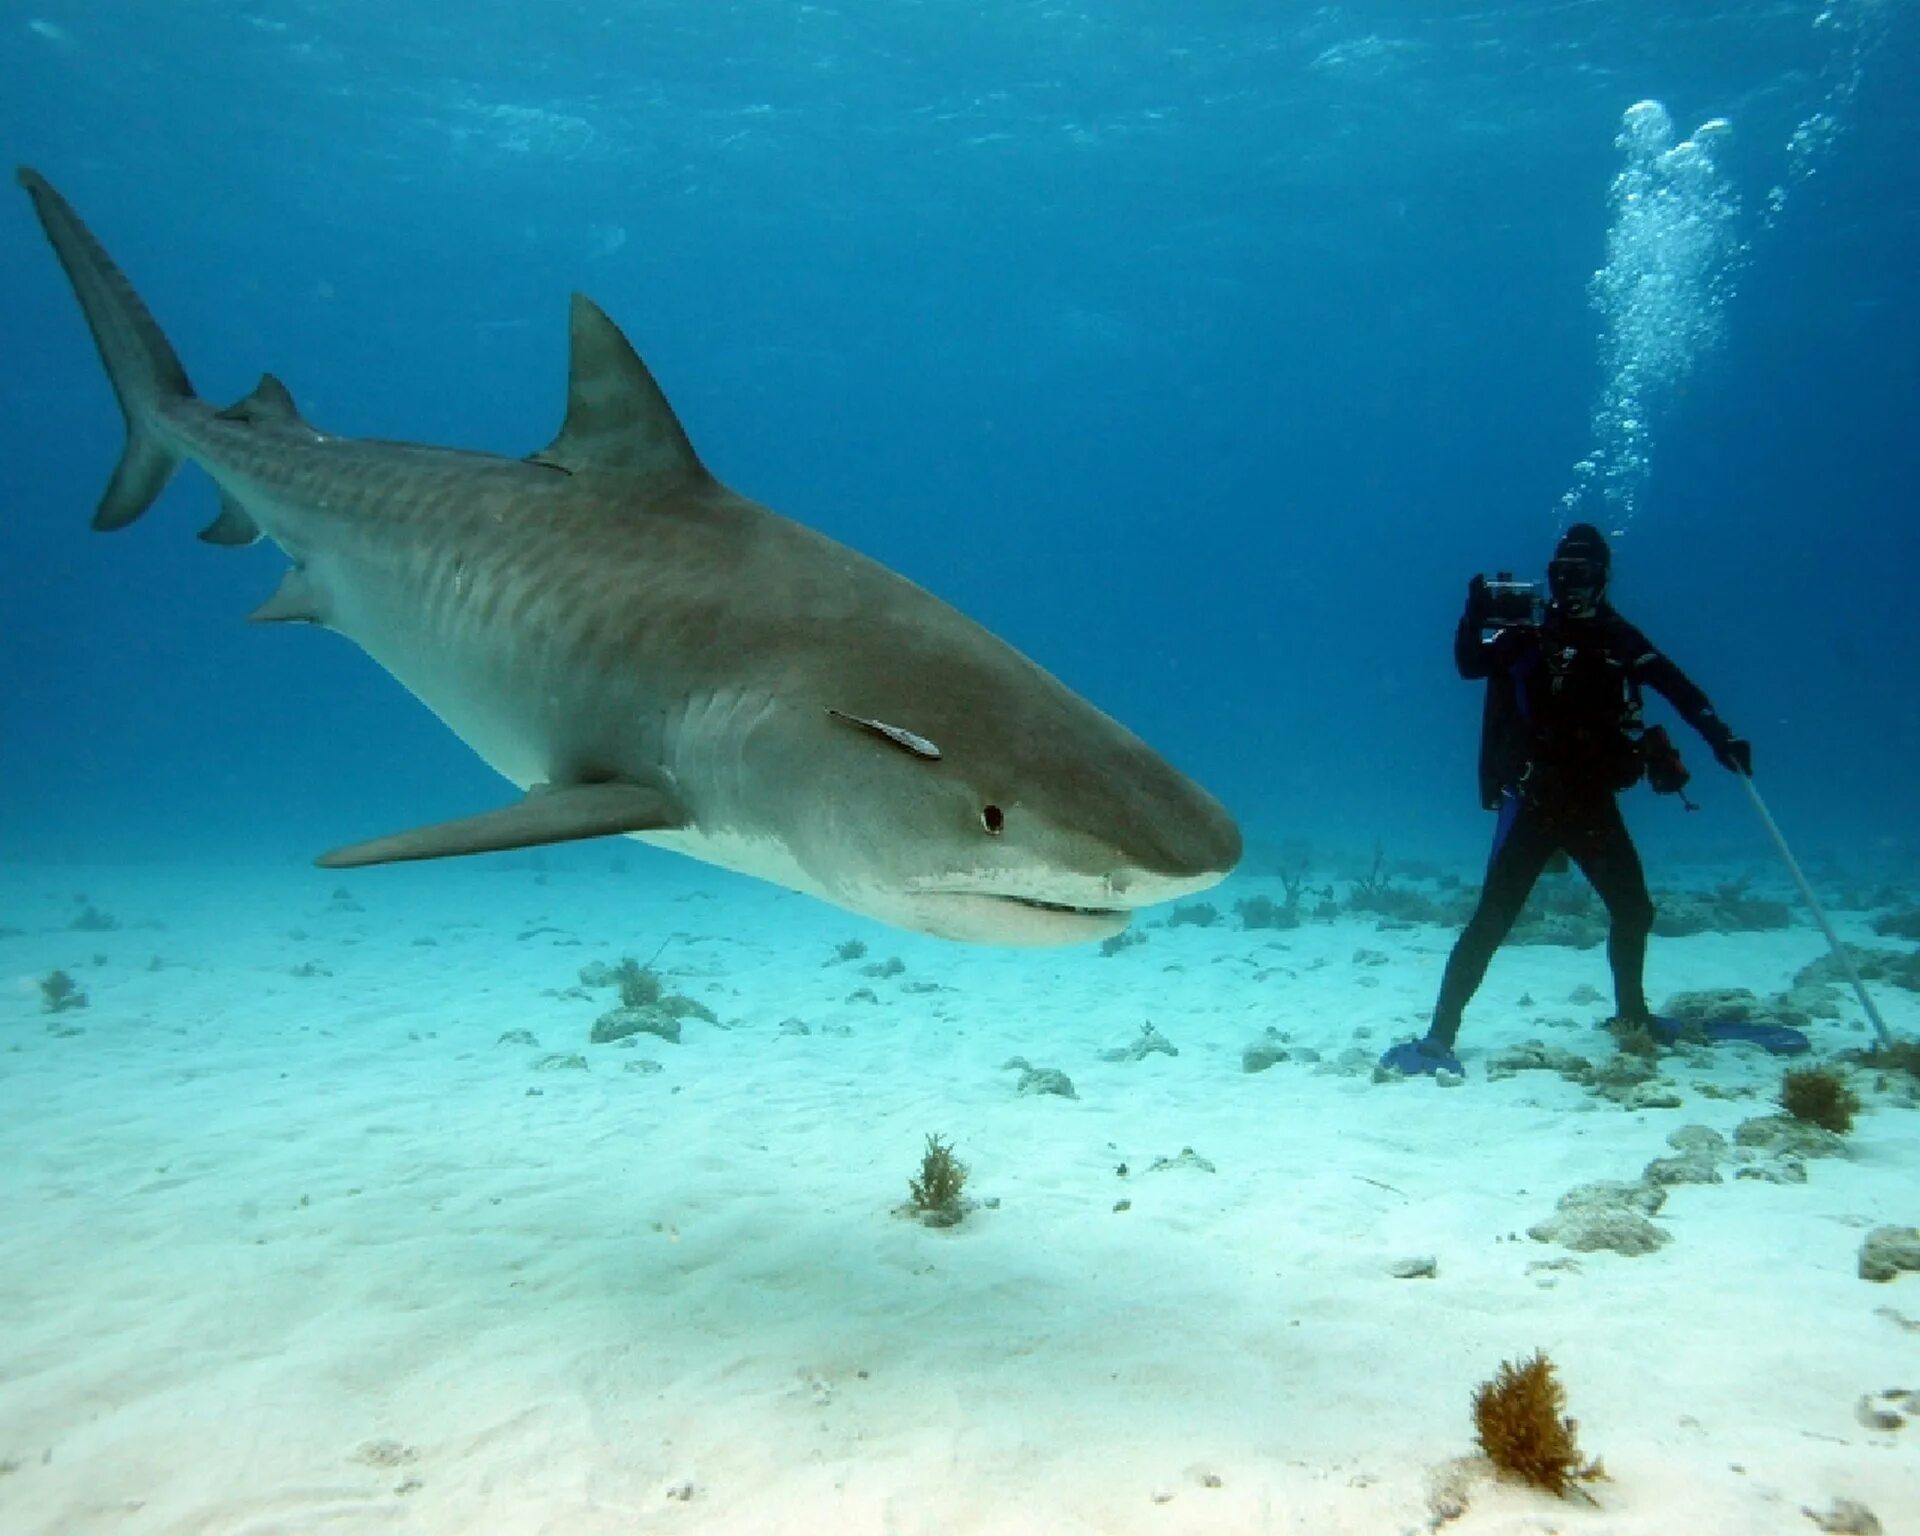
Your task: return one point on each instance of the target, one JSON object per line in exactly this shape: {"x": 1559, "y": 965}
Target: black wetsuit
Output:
{"x": 1560, "y": 740}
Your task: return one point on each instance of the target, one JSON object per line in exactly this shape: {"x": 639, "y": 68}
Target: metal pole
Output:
{"x": 1813, "y": 904}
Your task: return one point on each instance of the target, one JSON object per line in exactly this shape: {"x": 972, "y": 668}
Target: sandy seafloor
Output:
{"x": 318, "y": 1252}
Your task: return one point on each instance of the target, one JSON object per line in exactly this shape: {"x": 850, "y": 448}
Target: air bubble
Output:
{"x": 1672, "y": 249}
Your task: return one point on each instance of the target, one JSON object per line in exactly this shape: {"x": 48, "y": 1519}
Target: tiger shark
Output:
{"x": 646, "y": 653}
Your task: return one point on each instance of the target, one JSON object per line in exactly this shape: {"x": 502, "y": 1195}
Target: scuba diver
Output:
{"x": 1560, "y": 738}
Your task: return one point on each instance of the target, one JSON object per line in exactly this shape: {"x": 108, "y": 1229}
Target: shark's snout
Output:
{"x": 1202, "y": 840}
{"x": 1164, "y": 833}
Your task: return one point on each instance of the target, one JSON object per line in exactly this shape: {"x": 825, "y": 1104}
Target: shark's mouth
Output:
{"x": 1003, "y": 917}
{"x": 1061, "y": 906}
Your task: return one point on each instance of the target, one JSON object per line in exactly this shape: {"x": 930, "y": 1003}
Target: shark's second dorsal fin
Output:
{"x": 617, "y": 418}
{"x": 270, "y": 401}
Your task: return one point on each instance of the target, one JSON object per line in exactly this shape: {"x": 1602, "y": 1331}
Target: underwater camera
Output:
{"x": 1509, "y": 603}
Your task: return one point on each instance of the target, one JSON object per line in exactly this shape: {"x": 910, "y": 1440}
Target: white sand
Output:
{"x": 317, "y": 1253}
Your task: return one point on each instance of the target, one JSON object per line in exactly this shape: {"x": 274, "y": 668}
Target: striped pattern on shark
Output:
{"x": 646, "y": 653}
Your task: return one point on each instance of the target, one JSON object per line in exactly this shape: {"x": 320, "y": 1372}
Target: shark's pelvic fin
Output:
{"x": 145, "y": 371}
{"x": 548, "y": 814}
{"x": 297, "y": 600}
{"x": 617, "y": 417}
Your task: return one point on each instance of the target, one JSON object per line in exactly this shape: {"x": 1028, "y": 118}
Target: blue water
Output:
{"x": 1203, "y": 350}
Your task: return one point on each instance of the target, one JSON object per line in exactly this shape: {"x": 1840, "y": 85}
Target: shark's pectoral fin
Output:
{"x": 549, "y": 814}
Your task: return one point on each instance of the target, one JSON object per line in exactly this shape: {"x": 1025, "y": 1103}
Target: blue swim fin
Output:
{"x": 1422, "y": 1058}
{"x": 1779, "y": 1039}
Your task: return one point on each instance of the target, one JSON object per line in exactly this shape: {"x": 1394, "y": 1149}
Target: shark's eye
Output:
{"x": 993, "y": 819}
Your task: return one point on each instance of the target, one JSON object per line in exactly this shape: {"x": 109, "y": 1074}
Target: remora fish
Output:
{"x": 644, "y": 652}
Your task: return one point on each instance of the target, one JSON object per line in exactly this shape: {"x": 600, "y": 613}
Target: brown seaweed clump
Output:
{"x": 1518, "y": 1419}
{"x": 1893, "y": 1055}
{"x": 639, "y": 984}
{"x": 1631, "y": 1037}
{"x": 60, "y": 992}
{"x": 935, "y": 1196}
{"x": 1820, "y": 1096}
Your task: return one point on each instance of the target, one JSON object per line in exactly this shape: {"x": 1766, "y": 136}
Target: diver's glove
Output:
{"x": 1731, "y": 752}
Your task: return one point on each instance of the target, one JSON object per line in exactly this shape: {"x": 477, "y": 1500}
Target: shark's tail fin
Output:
{"x": 146, "y": 374}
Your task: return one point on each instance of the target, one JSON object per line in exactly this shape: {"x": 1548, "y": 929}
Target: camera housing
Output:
{"x": 1511, "y": 604}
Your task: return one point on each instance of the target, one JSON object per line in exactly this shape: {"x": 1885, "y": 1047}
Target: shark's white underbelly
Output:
{"x": 760, "y": 856}
{"x": 471, "y": 680}
{"x": 518, "y": 721}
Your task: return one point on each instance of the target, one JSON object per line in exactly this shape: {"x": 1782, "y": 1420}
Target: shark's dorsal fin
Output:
{"x": 550, "y": 813}
{"x": 617, "y": 417}
{"x": 271, "y": 401}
